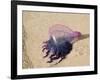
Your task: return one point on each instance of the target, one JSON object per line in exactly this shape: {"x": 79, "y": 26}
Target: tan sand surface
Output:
{"x": 35, "y": 31}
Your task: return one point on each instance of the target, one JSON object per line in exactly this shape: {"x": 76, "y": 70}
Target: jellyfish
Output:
{"x": 60, "y": 42}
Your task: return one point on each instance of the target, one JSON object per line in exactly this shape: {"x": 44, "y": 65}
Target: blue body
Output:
{"x": 60, "y": 49}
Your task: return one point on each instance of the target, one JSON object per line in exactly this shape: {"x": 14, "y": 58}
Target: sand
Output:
{"x": 35, "y": 31}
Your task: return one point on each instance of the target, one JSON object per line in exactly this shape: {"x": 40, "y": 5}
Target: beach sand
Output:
{"x": 35, "y": 31}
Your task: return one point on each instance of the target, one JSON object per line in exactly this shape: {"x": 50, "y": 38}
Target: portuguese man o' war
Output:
{"x": 60, "y": 43}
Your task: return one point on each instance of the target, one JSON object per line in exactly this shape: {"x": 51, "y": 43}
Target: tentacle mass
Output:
{"x": 59, "y": 49}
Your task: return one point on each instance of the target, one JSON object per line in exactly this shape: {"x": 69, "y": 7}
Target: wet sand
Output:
{"x": 35, "y": 31}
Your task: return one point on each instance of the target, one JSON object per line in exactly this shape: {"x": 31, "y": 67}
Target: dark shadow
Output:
{"x": 84, "y": 36}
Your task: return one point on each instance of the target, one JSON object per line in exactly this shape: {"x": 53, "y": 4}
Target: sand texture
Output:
{"x": 35, "y": 31}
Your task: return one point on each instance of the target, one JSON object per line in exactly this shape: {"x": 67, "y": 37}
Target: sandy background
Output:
{"x": 35, "y": 31}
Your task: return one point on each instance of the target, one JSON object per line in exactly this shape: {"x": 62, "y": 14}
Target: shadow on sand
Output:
{"x": 84, "y": 36}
